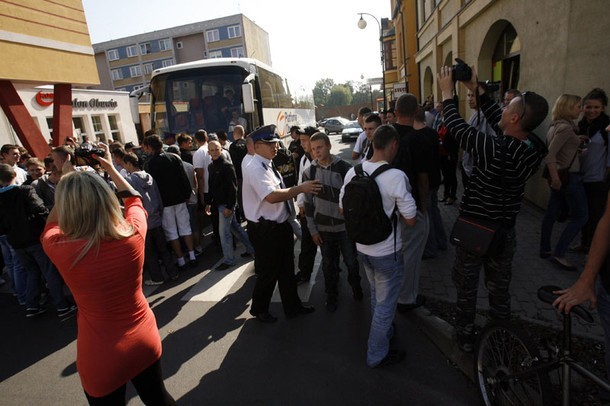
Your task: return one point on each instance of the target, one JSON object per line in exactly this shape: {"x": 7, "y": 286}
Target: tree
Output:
{"x": 321, "y": 91}
{"x": 340, "y": 95}
{"x": 362, "y": 95}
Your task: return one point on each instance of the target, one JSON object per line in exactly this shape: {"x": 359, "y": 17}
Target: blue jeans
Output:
{"x": 385, "y": 275}
{"x": 603, "y": 309}
{"x": 334, "y": 244}
{"x": 413, "y": 243}
{"x": 573, "y": 195}
{"x": 36, "y": 263}
{"x": 228, "y": 226}
{"x": 16, "y": 272}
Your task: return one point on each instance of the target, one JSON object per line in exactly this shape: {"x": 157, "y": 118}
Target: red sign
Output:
{"x": 44, "y": 99}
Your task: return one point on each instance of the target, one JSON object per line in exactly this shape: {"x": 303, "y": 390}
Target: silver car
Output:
{"x": 351, "y": 130}
{"x": 335, "y": 125}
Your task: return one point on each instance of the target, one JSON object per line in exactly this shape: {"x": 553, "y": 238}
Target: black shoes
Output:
{"x": 246, "y": 255}
{"x": 300, "y": 311}
{"x": 264, "y": 317}
{"x": 222, "y": 267}
{"x": 564, "y": 263}
{"x": 301, "y": 278}
{"x": 407, "y": 307}
{"x": 393, "y": 357}
{"x": 331, "y": 303}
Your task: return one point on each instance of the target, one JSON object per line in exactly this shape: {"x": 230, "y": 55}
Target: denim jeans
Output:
{"x": 413, "y": 243}
{"x": 228, "y": 226}
{"x": 573, "y": 195}
{"x": 16, "y": 272}
{"x": 385, "y": 275}
{"x": 437, "y": 237}
{"x": 603, "y": 309}
{"x": 334, "y": 244}
{"x": 36, "y": 263}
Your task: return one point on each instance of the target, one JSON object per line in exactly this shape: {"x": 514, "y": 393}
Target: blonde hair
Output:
{"x": 88, "y": 210}
{"x": 564, "y": 105}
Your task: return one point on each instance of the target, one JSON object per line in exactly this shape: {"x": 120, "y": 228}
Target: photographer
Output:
{"x": 501, "y": 168}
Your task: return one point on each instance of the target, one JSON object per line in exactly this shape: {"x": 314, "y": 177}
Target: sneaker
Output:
{"x": 392, "y": 357}
{"x": 150, "y": 282}
{"x": 198, "y": 251}
{"x": 246, "y": 255}
{"x": 34, "y": 311}
{"x": 223, "y": 267}
{"x": 66, "y": 311}
{"x": 564, "y": 263}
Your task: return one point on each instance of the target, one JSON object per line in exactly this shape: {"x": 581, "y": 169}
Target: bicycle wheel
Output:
{"x": 503, "y": 349}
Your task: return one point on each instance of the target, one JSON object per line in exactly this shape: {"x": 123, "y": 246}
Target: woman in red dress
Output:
{"x": 100, "y": 254}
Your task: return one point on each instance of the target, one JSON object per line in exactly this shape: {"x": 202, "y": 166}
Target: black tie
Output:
{"x": 289, "y": 206}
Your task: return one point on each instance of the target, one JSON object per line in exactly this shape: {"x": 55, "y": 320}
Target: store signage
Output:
{"x": 45, "y": 99}
{"x": 399, "y": 90}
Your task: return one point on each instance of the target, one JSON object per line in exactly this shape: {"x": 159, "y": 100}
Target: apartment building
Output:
{"x": 126, "y": 63}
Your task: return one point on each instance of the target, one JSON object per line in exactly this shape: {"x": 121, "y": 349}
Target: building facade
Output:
{"x": 126, "y": 63}
{"x": 546, "y": 46}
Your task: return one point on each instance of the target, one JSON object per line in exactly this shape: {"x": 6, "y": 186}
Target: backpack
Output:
{"x": 365, "y": 219}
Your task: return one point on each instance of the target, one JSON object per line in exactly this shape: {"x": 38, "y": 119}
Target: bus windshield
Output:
{"x": 206, "y": 98}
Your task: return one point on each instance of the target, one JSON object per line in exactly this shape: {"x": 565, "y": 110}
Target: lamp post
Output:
{"x": 362, "y": 26}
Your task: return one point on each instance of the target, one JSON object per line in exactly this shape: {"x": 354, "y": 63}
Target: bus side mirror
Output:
{"x": 248, "y": 97}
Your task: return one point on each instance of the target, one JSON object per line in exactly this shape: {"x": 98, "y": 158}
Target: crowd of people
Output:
{"x": 98, "y": 218}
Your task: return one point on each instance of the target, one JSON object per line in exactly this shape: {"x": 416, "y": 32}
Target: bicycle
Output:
{"x": 510, "y": 370}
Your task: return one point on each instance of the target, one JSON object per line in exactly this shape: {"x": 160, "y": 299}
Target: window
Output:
{"x": 132, "y": 50}
{"x": 113, "y": 54}
{"x": 234, "y": 31}
{"x": 237, "y": 52}
{"x": 212, "y": 35}
{"x": 98, "y": 130}
{"x": 50, "y": 125}
{"x": 179, "y": 44}
{"x": 148, "y": 68}
{"x": 215, "y": 54}
{"x": 116, "y": 74}
{"x": 167, "y": 62}
{"x": 135, "y": 71}
{"x": 79, "y": 126}
{"x": 115, "y": 132}
{"x": 164, "y": 44}
{"x": 145, "y": 48}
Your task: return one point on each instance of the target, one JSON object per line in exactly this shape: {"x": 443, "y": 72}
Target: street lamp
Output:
{"x": 362, "y": 26}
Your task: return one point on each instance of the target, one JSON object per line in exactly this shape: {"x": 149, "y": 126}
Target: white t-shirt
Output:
{"x": 303, "y": 165}
{"x": 395, "y": 191}
{"x": 22, "y": 175}
{"x": 359, "y": 146}
{"x": 259, "y": 182}
{"x": 199, "y": 157}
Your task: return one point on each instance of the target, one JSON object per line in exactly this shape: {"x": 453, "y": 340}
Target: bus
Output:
{"x": 215, "y": 94}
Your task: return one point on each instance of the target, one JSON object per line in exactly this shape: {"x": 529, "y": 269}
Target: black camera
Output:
{"x": 461, "y": 71}
{"x": 86, "y": 154}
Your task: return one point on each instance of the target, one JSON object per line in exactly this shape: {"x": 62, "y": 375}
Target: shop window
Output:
{"x": 115, "y": 132}
{"x": 50, "y": 125}
{"x": 98, "y": 129}
{"x": 79, "y": 126}
{"x": 234, "y": 31}
{"x": 506, "y": 59}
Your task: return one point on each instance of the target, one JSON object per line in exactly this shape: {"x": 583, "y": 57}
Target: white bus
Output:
{"x": 212, "y": 94}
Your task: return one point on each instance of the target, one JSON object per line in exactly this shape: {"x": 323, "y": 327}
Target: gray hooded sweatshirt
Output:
{"x": 151, "y": 198}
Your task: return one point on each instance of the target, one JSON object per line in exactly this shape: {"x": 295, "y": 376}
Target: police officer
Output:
{"x": 268, "y": 206}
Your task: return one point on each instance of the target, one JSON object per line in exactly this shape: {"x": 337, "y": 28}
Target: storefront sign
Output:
{"x": 45, "y": 99}
{"x": 399, "y": 90}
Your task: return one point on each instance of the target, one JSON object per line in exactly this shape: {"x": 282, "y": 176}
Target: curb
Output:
{"x": 441, "y": 334}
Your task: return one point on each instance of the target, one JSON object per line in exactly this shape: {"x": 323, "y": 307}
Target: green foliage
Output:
{"x": 321, "y": 91}
{"x": 340, "y": 95}
{"x": 327, "y": 93}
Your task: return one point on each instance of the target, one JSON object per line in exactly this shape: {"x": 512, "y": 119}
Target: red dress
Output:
{"x": 117, "y": 331}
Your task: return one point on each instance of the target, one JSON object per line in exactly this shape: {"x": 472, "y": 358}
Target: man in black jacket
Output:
{"x": 22, "y": 219}
{"x": 222, "y": 195}
{"x": 168, "y": 173}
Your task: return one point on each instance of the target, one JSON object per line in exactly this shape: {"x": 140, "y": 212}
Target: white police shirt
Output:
{"x": 259, "y": 181}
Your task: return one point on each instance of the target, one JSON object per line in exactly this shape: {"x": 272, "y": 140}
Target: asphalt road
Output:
{"x": 216, "y": 354}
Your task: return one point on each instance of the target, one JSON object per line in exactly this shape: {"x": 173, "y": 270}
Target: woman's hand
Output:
{"x": 105, "y": 161}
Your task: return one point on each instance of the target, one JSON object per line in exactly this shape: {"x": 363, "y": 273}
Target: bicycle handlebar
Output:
{"x": 545, "y": 293}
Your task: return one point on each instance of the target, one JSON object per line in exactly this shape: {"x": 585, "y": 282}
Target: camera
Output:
{"x": 86, "y": 154}
{"x": 461, "y": 71}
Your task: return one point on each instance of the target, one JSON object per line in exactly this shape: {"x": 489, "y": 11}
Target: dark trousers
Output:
{"x": 274, "y": 252}
{"x": 448, "y": 169}
{"x": 498, "y": 272}
{"x": 307, "y": 256}
{"x": 149, "y": 385}
{"x": 334, "y": 245}
{"x": 155, "y": 248}
{"x": 597, "y": 194}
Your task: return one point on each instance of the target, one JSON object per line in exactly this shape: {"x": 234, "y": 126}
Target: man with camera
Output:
{"x": 501, "y": 168}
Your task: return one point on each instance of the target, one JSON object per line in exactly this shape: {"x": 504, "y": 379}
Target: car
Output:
{"x": 351, "y": 131}
{"x": 335, "y": 125}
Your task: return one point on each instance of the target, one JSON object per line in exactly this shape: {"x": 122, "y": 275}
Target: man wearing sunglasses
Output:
{"x": 268, "y": 206}
{"x": 501, "y": 168}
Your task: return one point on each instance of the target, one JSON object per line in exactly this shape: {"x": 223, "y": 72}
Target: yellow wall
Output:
{"x": 46, "y": 42}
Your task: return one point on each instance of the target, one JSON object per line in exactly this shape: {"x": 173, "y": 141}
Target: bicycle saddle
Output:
{"x": 545, "y": 293}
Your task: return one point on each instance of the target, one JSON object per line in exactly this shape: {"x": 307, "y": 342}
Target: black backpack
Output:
{"x": 365, "y": 219}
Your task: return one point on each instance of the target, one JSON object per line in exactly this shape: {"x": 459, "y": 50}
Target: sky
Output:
{"x": 309, "y": 39}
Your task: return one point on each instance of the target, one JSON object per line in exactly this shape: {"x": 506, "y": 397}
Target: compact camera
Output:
{"x": 461, "y": 72}
{"x": 86, "y": 154}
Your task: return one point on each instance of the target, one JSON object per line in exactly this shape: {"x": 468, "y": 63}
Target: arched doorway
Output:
{"x": 428, "y": 84}
{"x": 500, "y": 57}
{"x": 449, "y": 59}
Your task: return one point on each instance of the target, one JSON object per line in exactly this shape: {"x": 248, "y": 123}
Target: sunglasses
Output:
{"x": 523, "y": 97}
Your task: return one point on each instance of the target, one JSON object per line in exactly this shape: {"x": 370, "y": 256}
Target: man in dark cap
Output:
{"x": 268, "y": 206}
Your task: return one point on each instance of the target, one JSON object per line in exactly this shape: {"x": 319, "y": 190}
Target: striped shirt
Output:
{"x": 502, "y": 165}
